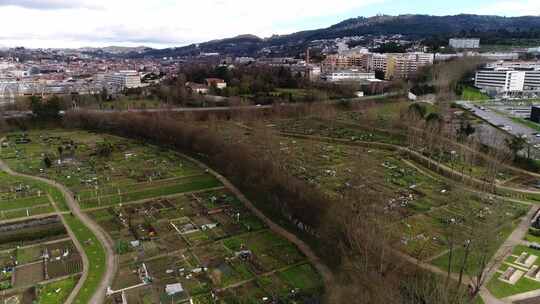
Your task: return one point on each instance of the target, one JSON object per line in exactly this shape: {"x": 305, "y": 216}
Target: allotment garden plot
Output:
{"x": 424, "y": 202}
{"x": 21, "y": 198}
{"x": 33, "y": 254}
{"x": 178, "y": 232}
{"x": 209, "y": 246}
{"x": 103, "y": 170}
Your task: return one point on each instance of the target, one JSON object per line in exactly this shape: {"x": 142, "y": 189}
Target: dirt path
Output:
{"x": 104, "y": 239}
{"x": 325, "y": 272}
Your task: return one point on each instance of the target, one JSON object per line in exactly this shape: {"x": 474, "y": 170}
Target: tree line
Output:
{"x": 350, "y": 232}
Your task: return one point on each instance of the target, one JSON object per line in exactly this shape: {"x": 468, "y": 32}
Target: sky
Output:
{"x": 167, "y": 23}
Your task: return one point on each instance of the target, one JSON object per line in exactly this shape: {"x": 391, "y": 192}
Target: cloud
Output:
{"x": 513, "y": 8}
{"x": 160, "y": 22}
{"x": 48, "y": 4}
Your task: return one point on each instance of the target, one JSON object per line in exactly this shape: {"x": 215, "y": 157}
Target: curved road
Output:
{"x": 104, "y": 239}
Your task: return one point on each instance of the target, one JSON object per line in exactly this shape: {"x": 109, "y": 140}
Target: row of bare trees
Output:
{"x": 351, "y": 233}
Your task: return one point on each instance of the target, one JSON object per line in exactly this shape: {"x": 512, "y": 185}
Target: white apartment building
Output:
{"x": 467, "y": 43}
{"x": 123, "y": 80}
{"x": 500, "y": 80}
{"x": 348, "y": 75}
{"x": 532, "y": 80}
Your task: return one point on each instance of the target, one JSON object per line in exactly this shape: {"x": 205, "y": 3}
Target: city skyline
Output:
{"x": 166, "y": 23}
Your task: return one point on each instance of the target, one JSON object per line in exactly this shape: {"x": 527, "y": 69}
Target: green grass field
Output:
{"x": 56, "y": 292}
{"x": 96, "y": 258}
{"x": 473, "y": 94}
{"x": 472, "y": 265}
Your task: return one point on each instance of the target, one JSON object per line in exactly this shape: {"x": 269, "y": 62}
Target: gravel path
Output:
{"x": 108, "y": 276}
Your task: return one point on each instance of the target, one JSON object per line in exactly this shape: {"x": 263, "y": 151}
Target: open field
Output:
{"x": 473, "y": 94}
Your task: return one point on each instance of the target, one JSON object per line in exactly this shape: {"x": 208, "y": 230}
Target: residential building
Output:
{"x": 339, "y": 62}
{"x": 379, "y": 62}
{"x": 464, "y": 43}
{"x": 197, "y": 88}
{"x": 123, "y": 80}
{"x": 403, "y": 66}
{"x": 218, "y": 83}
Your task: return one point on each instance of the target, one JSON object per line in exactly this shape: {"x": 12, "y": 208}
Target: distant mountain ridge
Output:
{"x": 115, "y": 49}
{"x": 411, "y": 26}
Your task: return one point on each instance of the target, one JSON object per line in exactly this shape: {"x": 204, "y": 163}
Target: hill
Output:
{"x": 491, "y": 29}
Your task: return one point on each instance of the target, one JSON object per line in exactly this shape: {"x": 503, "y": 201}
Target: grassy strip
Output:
{"x": 56, "y": 292}
{"x": 472, "y": 265}
{"x": 96, "y": 258}
{"x": 198, "y": 183}
{"x": 473, "y": 94}
{"x": 27, "y": 202}
{"x": 527, "y": 123}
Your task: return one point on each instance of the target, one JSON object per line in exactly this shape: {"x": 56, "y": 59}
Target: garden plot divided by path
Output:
{"x": 35, "y": 252}
{"x": 205, "y": 241}
{"x": 20, "y": 198}
{"x": 145, "y": 198}
{"x": 524, "y": 284}
{"x": 103, "y": 170}
{"x": 424, "y": 204}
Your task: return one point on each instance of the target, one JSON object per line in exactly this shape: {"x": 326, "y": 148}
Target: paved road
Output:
{"x": 104, "y": 239}
{"x": 498, "y": 119}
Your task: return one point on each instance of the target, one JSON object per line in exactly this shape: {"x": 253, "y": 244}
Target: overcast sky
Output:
{"x": 164, "y": 23}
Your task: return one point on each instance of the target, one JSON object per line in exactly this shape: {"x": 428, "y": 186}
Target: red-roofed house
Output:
{"x": 217, "y": 82}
